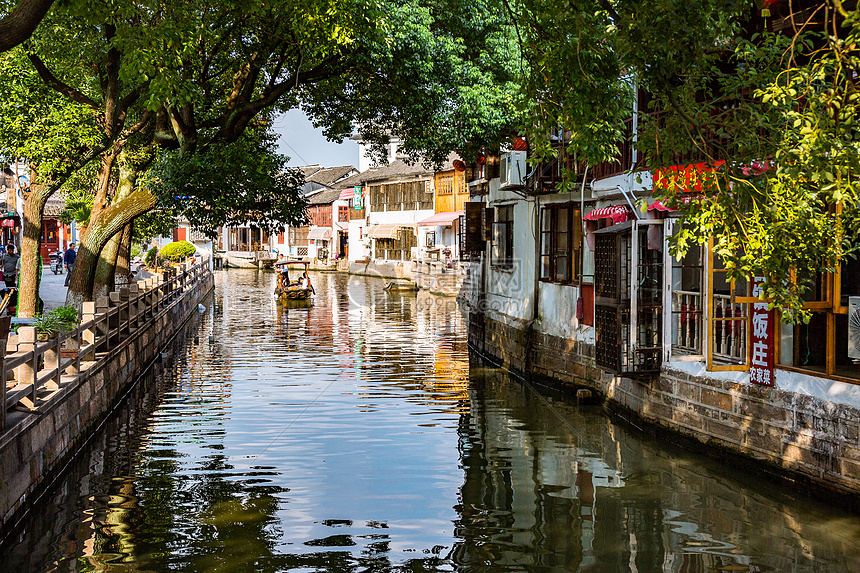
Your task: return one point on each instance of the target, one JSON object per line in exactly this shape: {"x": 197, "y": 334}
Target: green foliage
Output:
{"x": 773, "y": 115}
{"x": 62, "y": 318}
{"x": 157, "y": 223}
{"x": 245, "y": 181}
{"x": 79, "y": 206}
{"x": 151, "y": 257}
{"x": 177, "y": 251}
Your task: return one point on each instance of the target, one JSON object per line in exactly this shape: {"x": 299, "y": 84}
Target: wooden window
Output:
{"x": 446, "y": 185}
{"x": 561, "y": 244}
{"x": 688, "y": 298}
{"x": 503, "y": 237}
{"x": 343, "y": 214}
{"x": 729, "y": 311}
{"x": 821, "y": 347}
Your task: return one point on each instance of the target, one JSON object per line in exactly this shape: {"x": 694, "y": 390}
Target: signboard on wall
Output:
{"x": 357, "y": 198}
{"x": 762, "y": 339}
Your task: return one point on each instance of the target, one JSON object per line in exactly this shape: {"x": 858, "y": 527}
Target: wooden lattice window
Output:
{"x": 561, "y": 244}
{"x": 503, "y": 237}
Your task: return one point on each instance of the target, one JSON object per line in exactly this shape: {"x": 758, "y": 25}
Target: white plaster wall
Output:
{"x": 400, "y": 217}
{"x": 803, "y": 384}
{"x": 557, "y": 310}
{"x": 510, "y": 291}
{"x": 359, "y": 248}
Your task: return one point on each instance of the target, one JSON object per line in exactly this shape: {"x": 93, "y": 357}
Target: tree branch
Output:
{"x": 19, "y": 24}
{"x": 51, "y": 81}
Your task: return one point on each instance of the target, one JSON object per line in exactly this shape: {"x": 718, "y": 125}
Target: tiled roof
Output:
{"x": 328, "y": 176}
{"x": 55, "y": 205}
{"x": 324, "y": 197}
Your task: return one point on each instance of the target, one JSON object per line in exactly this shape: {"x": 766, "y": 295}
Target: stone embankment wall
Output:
{"x": 808, "y": 432}
{"x": 53, "y": 404}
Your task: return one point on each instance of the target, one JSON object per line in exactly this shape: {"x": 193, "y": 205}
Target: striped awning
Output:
{"x": 618, "y": 214}
{"x": 441, "y": 219}
{"x": 347, "y": 193}
{"x": 659, "y": 206}
{"x": 386, "y": 231}
{"x": 320, "y": 233}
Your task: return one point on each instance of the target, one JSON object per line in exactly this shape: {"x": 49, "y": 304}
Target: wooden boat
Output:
{"x": 401, "y": 285}
{"x": 287, "y": 290}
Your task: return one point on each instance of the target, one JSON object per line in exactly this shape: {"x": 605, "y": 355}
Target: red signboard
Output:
{"x": 683, "y": 178}
{"x": 762, "y": 339}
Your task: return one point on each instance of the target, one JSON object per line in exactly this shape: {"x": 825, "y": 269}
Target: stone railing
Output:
{"x": 38, "y": 370}
{"x": 55, "y": 393}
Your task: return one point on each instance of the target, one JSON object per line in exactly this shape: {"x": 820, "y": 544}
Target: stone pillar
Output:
{"x": 26, "y": 373}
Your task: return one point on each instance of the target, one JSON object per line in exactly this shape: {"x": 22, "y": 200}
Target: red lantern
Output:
{"x": 520, "y": 144}
{"x": 459, "y": 165}
{"x": 481, "y": 159}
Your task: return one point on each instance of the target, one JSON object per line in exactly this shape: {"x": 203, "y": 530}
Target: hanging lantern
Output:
{"x": 459, "y": 165}
{"x": 481, "y": 159}
{"x": 520, "y": 144}
{"x": 766, "y": 6}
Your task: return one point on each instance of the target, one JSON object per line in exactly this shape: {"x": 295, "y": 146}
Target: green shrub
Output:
{"x": 177, "y": 251}
{"x": 63, "y": 318}
{"x": 151, "y": 256}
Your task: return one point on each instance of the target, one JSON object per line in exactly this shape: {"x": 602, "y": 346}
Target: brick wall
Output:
{"x": 805, "y": 436}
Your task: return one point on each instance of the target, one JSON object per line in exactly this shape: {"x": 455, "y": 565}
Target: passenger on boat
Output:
{"x": 306, "y": 282}
{"x": 284, "y": 278}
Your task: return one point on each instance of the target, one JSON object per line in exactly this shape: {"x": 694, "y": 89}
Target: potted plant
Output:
{"x": 49, "y": 325}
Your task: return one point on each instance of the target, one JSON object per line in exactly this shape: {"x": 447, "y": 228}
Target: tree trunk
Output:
{"x": 104, "y": 281}
{"x": 123, "y": 257}
{"x": 19, "y": 24}
{"x": 105, "y": 275}
{"x": 109, "y": 222}
{"x": 31, "y": 256}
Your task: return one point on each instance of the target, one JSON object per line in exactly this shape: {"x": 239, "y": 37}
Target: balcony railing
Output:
{"x": 687, "y": 322}
{"x": 731, "y": 322}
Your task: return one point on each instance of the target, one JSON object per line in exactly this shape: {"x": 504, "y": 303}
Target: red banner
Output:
{"x": 762, "y": 339}
{"x": 683, "y": 178}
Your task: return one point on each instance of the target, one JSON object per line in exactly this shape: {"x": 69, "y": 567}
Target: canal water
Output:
{"x": 354, "y": 435}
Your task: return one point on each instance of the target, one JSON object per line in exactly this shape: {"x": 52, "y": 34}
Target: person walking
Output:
{"x": 11, "y": 264}
{"x": 69, "y": 261}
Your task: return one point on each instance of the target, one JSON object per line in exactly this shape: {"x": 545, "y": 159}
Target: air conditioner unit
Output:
{"x": 854, "y": 328}
{"x": 512, "y": 169}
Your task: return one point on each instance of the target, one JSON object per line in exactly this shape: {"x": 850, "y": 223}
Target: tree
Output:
{"x": 771, "y": 112}
{"x": 193, "y": 77}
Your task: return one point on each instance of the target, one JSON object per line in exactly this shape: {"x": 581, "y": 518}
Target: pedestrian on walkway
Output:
{"x": 11, "y": 265}
{"x": 69, "y": 261}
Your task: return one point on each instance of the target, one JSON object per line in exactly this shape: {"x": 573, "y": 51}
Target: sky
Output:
{"x": 305, "y": 145}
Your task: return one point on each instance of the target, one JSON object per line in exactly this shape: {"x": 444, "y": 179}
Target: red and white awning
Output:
{"x": 659, "y": 206}
{"x": 441, "y": 219}
{"x": 320, "y": 233}
{"x": 618, "y": 214}
{"x": 347, "y": 193}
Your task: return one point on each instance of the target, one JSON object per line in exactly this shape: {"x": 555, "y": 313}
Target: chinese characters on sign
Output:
{"x": 761, "y": 363}
{"x": 357, "y": 198}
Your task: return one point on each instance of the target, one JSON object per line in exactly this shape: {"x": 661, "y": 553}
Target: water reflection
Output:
{"x": 353, "y": 435}
{"x": 552, "y": 486}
